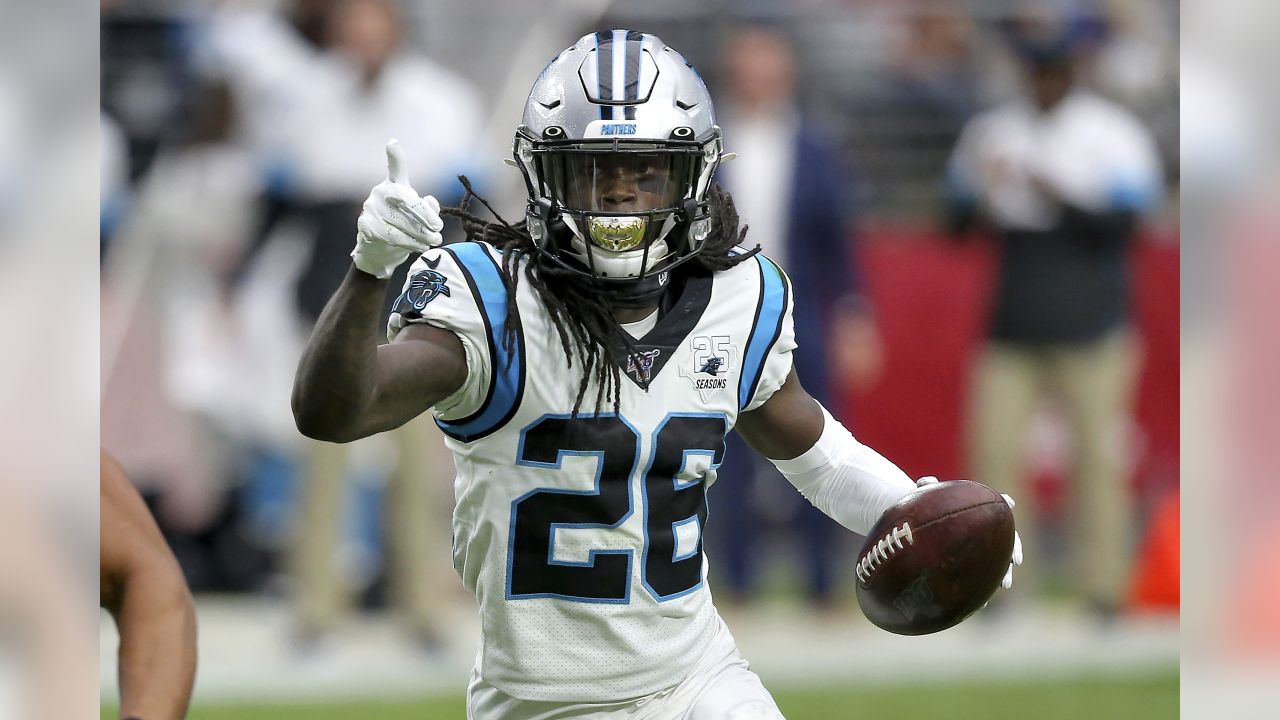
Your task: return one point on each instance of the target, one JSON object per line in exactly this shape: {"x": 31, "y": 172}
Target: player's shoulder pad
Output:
{"x": 767, "y": 286}
{"x": 753, "y": 271}
{"x": 461, "y": 287}
{"x": 451, "y": 285}
{"x": 435, "y": 276}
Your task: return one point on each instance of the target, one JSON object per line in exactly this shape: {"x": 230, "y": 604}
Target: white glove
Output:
{"x": 1007, "y": 581}
{"x": 395, "y": 222}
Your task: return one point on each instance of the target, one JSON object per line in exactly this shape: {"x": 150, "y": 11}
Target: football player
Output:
{"x": 143, "y": 589}
{"x": 585, "y": 366}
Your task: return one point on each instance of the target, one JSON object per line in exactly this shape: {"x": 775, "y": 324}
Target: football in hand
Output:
{"x": 935, "y": 557}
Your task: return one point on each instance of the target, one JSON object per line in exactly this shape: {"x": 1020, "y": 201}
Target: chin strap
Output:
{"x": 551, "y": 234}
{"x": 642, "y": 293}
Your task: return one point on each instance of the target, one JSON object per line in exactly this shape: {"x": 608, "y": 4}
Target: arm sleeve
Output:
{"x": 845, "y": 479}
{"x": 437, "y": 292}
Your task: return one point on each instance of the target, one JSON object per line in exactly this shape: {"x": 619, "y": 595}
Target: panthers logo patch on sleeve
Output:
{"x": 424, "y": 286}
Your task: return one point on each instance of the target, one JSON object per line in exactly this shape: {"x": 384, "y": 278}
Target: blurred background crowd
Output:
{"x": 977, "y": 201}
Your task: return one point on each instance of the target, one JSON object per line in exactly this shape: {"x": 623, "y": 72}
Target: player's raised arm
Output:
{"x": 347, "y": 386}
{"x": 143, "y": 589}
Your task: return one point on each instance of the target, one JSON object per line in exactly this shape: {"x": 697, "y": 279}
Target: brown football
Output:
{"x": 935, "y": 557}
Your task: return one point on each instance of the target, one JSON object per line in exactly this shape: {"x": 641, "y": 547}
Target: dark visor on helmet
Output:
{"x": 618, "y": 182}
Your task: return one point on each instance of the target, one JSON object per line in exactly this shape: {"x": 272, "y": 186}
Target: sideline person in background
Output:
{"x": 793, "y": 193}
{"x": 1063, "y": 177}
{"x": 347, "y": 78}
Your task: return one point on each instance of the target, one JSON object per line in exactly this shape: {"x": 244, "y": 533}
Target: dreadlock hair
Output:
{"x": 583, "y": 316}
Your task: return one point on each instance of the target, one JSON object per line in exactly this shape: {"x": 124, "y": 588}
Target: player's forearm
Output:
{"x": 157, "y": 659}
{"x": 337, "y": 373}
{"x": 850, "y": 482}
{"x": 843, "y": 478}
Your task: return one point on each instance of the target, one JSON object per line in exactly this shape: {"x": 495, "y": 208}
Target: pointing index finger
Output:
{"x": 397, "y": 168}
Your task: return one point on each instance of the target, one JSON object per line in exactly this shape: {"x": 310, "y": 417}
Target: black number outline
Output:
{"x": 701, "y": 512}
{"x": 597, "y": 488}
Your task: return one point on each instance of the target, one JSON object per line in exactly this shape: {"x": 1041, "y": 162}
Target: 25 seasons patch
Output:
{"x": 711, "y": 361}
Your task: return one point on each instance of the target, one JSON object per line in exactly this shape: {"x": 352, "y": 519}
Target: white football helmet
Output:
{"x": 618, "y": 145}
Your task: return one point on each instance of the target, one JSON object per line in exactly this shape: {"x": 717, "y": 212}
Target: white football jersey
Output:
{"x": 582, "y": 537}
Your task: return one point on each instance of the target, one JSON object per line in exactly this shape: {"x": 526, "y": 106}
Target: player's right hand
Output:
{"x": 395, "y": 221}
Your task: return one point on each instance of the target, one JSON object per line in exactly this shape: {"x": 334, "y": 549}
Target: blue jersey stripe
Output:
{"x": 506, "y": 382}
{"x": 770, "y": 310}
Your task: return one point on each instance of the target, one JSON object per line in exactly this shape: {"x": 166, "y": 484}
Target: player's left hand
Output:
{"x": 1007, "y": 581}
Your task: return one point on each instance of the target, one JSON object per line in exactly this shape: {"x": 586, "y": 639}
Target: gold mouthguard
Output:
{"x": 617, "y": 233}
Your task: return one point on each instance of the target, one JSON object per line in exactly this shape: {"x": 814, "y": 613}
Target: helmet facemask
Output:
{"x": 630, "y": 211}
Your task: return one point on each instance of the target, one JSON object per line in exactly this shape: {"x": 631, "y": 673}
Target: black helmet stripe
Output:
{"x": 635, "y": 45}
{"x": 635, "y": 51}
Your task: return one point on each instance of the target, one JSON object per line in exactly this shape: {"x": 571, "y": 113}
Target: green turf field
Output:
{"x": 1091, "y": 698}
